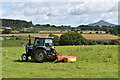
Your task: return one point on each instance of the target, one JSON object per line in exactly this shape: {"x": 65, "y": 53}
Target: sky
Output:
{"x": 60, "y": 12}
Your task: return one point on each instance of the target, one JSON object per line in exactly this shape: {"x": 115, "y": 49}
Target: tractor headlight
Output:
{"x": 52, "y": 47}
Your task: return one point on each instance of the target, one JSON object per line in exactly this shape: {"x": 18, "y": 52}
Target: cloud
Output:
{"x": 58, "y": 13}
{"x": 30, "y": 11}
{"x": 36, "y": 11}
{"x": 43, "y": 10}
{"x": 114, "y": 7}
{"x": 17, "y": 5}
{"x": 1, "y": 12}
{"x": 59, "y": 0}
{"x": 49, "y": 9}
{"x": 92, "y": 7}
{"x": 109, "y": 15}
{"x": 91, "y": 18}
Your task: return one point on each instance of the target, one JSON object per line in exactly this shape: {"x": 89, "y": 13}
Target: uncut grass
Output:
{"x": 97, "y": 61}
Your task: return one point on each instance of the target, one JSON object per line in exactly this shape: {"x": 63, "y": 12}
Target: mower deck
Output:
{"x": 66, "y": 58}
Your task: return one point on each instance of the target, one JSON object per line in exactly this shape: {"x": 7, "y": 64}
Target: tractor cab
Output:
{"x": 43, "y": 42}
{"x": 41, "y": 50}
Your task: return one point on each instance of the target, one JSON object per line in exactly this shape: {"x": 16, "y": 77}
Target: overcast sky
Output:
{"x": 74, "y": 12}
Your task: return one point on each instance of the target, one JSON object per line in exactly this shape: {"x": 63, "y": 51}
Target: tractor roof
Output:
{"x": 45, "y": 37}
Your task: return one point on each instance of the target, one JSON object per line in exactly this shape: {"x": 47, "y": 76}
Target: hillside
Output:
{"x": 102, "y": 23}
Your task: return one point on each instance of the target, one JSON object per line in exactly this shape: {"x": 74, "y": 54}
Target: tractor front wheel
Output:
{"x": 24, "y": 57}
{"x": 39, "y": 55}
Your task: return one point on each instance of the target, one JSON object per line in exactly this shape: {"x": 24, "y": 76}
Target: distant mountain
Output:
{"x": 102, "y": 23}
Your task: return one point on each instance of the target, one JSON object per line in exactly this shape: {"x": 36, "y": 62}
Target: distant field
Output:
{"x": 32, "y": 35}
{"x": 61, "y": 32}
{"x": 49, "y": 31}
{"x": 53, "y": 32}
{"x": 87, "y": 36}
{"x": 94, "y": 32}
{"x": 1, "y": 29}
{"x": 99, "y": 36}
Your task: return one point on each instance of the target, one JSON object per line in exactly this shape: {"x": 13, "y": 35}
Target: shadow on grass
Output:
{"x": 59, "y": 61}
{"x": 24, "y": 61}
{"x": 32, "y": 61}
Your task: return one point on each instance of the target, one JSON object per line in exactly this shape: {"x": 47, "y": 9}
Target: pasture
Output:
{"x": 53, "y": 32}
{"x": 93, "y": 32}
{"x": 100, "y": 36}
{"x": 94, "y": 61}
{"x": 27, "y": 34}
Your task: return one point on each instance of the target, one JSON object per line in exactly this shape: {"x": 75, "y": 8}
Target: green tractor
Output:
{"x": 42, "y": 50}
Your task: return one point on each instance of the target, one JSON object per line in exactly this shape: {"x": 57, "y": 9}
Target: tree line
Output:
{"x": 21, "y": 24}
{"x": 69, "y": 38}
{"x": 75, "y": 38}
{"x": 16, "y": 24}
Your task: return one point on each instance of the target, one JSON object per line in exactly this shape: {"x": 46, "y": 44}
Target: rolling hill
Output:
{"x": 102, "y": 23}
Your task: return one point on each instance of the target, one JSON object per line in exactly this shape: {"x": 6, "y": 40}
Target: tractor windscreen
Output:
{"x": 49, "y": 42}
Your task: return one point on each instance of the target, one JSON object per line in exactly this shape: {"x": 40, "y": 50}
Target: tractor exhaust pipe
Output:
{"x": 29, "y": 41}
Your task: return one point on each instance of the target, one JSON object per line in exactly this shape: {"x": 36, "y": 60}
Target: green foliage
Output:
{"x": 90, "y": 42}
{"x": 90, "y": 32}
{"x": 4, "y": 38}
{"x": 16, "y": 24}
{"x": 71, "y": 38}
{"x": 81, "y": 32}
{"x": 37, "y": 29}
{"x": 55, "y": 40}
{"x": 64, "y": 40}
{"x": 108, "y": 42}
{"x": 115, "y": 42}
{"x": 97, "y": 32}
{"x": 6, "y": 31}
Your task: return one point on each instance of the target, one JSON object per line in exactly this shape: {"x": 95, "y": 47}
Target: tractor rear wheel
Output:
{"x": 40, "y": 55}
{"x": 24, "y": 57}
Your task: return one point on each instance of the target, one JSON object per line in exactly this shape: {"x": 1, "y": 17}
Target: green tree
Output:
{"x": 7, "y": 31}
{"x": 71, "y": 38}
{"x": 81, "y": 32}
{"x": 106, "y": 42}
{"x": 91, "y": 42}
{"x": 55, "y": 40}
{"x": 97, "y": 32}
{"x": 90, "y": 32}
{"x": 114, "y": 42}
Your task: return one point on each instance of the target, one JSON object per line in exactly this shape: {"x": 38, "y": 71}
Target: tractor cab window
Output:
{"x": 39, "y": 42}
{"x": 48, "y": 42}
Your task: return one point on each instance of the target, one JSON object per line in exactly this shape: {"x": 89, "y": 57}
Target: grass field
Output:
{"x": 61, "y": 32}
{"x": 93, "y": 32}
{"x": 99, "y": 61}
{"x": 100, "y": 36}
{"x": 27, "y": 34}
{"x": 53, "y": 32}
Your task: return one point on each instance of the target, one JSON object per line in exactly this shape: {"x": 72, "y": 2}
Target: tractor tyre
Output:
{"x": 40, "y": 55}
{"x": 24, "y": 57}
